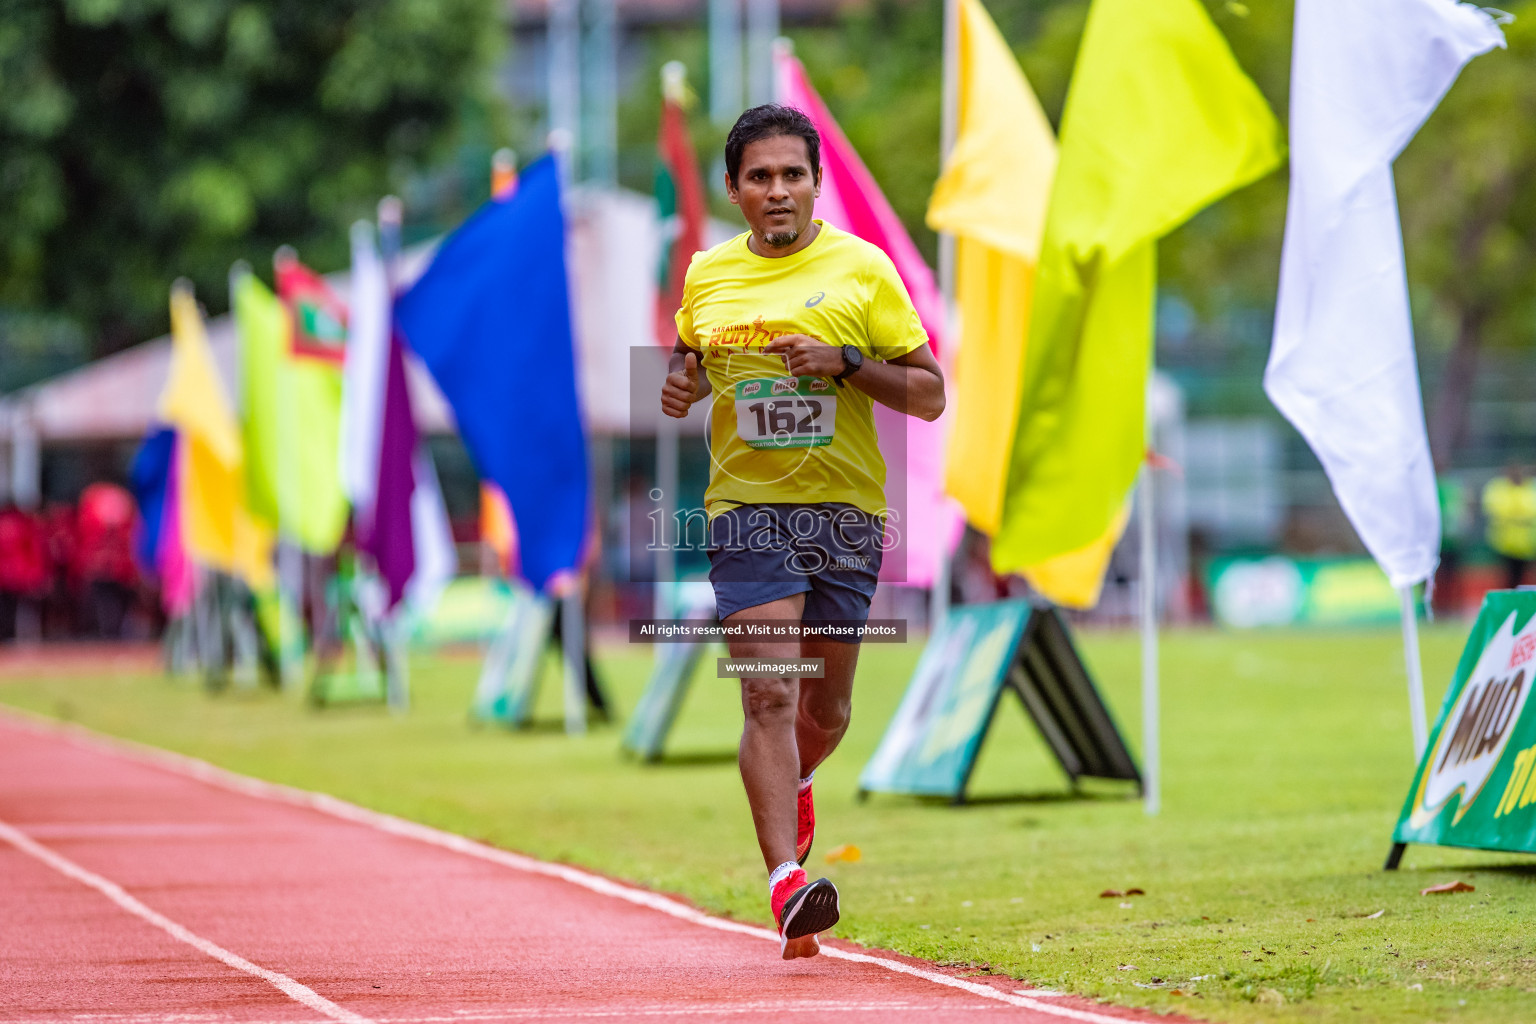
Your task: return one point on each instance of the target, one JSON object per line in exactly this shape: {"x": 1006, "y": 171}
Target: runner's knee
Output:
{"x": 829, "y": 715}
{"x": 768, "y": 701}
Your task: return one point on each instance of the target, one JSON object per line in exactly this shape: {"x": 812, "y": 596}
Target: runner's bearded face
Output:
{"x": 776, "y": 190}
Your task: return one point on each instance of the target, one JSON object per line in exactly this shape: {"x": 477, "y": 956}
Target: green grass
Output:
{"x": 1286, "y": 758}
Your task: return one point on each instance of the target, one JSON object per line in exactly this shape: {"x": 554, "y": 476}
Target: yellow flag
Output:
{"x": 997, "y": 181}
{"x": 992, "y": 196}
{"x": 1160, "y": 121}
{"x": 219, "y": 531}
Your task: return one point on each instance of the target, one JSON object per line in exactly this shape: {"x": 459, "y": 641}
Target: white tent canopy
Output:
{"x": 114, "y": 398}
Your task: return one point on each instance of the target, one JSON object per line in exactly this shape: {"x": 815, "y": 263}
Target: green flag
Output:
{"x": 1159, "y": 122}
{"x": 292, "y": 408}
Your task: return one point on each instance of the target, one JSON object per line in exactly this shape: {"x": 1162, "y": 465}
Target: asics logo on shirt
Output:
{"x": 815, "y": 300}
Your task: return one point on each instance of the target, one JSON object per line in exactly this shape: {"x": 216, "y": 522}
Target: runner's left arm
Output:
{"x": 911, "y": 383}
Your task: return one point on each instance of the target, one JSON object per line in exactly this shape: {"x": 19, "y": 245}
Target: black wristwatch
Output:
{"x": 852, "y": 360}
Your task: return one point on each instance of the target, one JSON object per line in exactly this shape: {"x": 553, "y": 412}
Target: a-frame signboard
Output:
{"x": 981, "y": 651}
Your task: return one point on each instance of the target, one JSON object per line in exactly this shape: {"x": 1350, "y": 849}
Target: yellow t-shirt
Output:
{"x": 775, "y": 438}
{"x": 1511, "y": 512}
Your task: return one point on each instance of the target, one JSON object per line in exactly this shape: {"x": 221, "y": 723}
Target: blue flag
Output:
{"x": 149, "y": 476}
{"x": 491, "y": 319}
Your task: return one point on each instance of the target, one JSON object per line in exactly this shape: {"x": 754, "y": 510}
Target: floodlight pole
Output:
{"x": 564, "y": 51}
{"x": 600, "y": 134}
{"x": 1151, "y": 779}
{"x": 724, "y": 60}
{"x": 762, "y": 31}
{"x": 1415, "y": 672}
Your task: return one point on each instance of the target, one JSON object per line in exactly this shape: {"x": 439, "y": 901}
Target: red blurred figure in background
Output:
{"x": 105, "y": 570}
{"x": 23, "y": 572}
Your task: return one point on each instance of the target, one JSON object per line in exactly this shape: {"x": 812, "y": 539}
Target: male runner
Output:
{"x": 799, "y": 328}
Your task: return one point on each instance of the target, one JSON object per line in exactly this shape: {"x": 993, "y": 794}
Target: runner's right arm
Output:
{"x": 685, "y": 384}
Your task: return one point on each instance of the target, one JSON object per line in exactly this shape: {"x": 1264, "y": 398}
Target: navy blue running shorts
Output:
{"x": 829, "y": 551}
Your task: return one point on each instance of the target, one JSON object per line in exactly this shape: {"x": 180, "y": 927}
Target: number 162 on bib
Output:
{"x": 785, "y": 412}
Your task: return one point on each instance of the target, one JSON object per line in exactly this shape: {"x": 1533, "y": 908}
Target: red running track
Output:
{"x": 139, "y": 887}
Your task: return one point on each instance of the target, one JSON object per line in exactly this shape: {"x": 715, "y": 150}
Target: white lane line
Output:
{"x": 114, "y": 892}
{"x": 788, "y": 1006}
{"x": 690, "y": 1010}
{"x": 202, "y": 771}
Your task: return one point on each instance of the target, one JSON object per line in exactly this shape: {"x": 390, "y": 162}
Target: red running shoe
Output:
{"x": 802, "y": 909}
{"x": 805, "y": 825}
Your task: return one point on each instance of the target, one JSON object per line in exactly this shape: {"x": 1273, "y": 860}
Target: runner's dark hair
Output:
{"x": 764, "y": 122}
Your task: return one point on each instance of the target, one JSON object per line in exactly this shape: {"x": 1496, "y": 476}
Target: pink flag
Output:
{"x": 178, "y": 583}
{"x": 851, "y": 200}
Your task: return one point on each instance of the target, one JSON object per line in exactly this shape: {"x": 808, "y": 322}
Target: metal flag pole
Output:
{"x": 1415, "y": 671}
{"x": 673, "y": 86}
{"x": 26, "y": 460}
{"x": 949, "y": 130}
{"x": 949, "y": 126}
{"x": 574, "y": 641}
{"x": 573, "y": 635}
{"x": 1150, "y": 712}
{"x": 665, "y": 496}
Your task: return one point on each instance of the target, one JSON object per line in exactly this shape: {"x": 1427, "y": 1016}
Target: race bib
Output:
{"x": 786, "y": 412}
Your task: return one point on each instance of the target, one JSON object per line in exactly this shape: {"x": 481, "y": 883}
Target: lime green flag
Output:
{"x": 292, "y": 407}
{"x": 1160, "y": 121}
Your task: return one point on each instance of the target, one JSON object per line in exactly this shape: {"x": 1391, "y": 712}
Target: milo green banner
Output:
{"x": 1476, "y": 786}
{"x": 1278, "y": 590}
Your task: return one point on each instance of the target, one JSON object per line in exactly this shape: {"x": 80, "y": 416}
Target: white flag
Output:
{"x": 1365, "y": 74}
{"x": 437, "y": 560}
{"x": 364, "y": 375}
{"x": 420, "y": 574}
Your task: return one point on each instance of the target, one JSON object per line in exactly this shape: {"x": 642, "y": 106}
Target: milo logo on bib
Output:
{"x": 795, "y": 412}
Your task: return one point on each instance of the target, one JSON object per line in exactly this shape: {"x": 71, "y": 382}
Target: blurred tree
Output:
{"x": 34, "y": 346}
{"x": 1227, "y": 257}
{"x": 142, "y": 139}
{"x": 1467, "y": 188}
